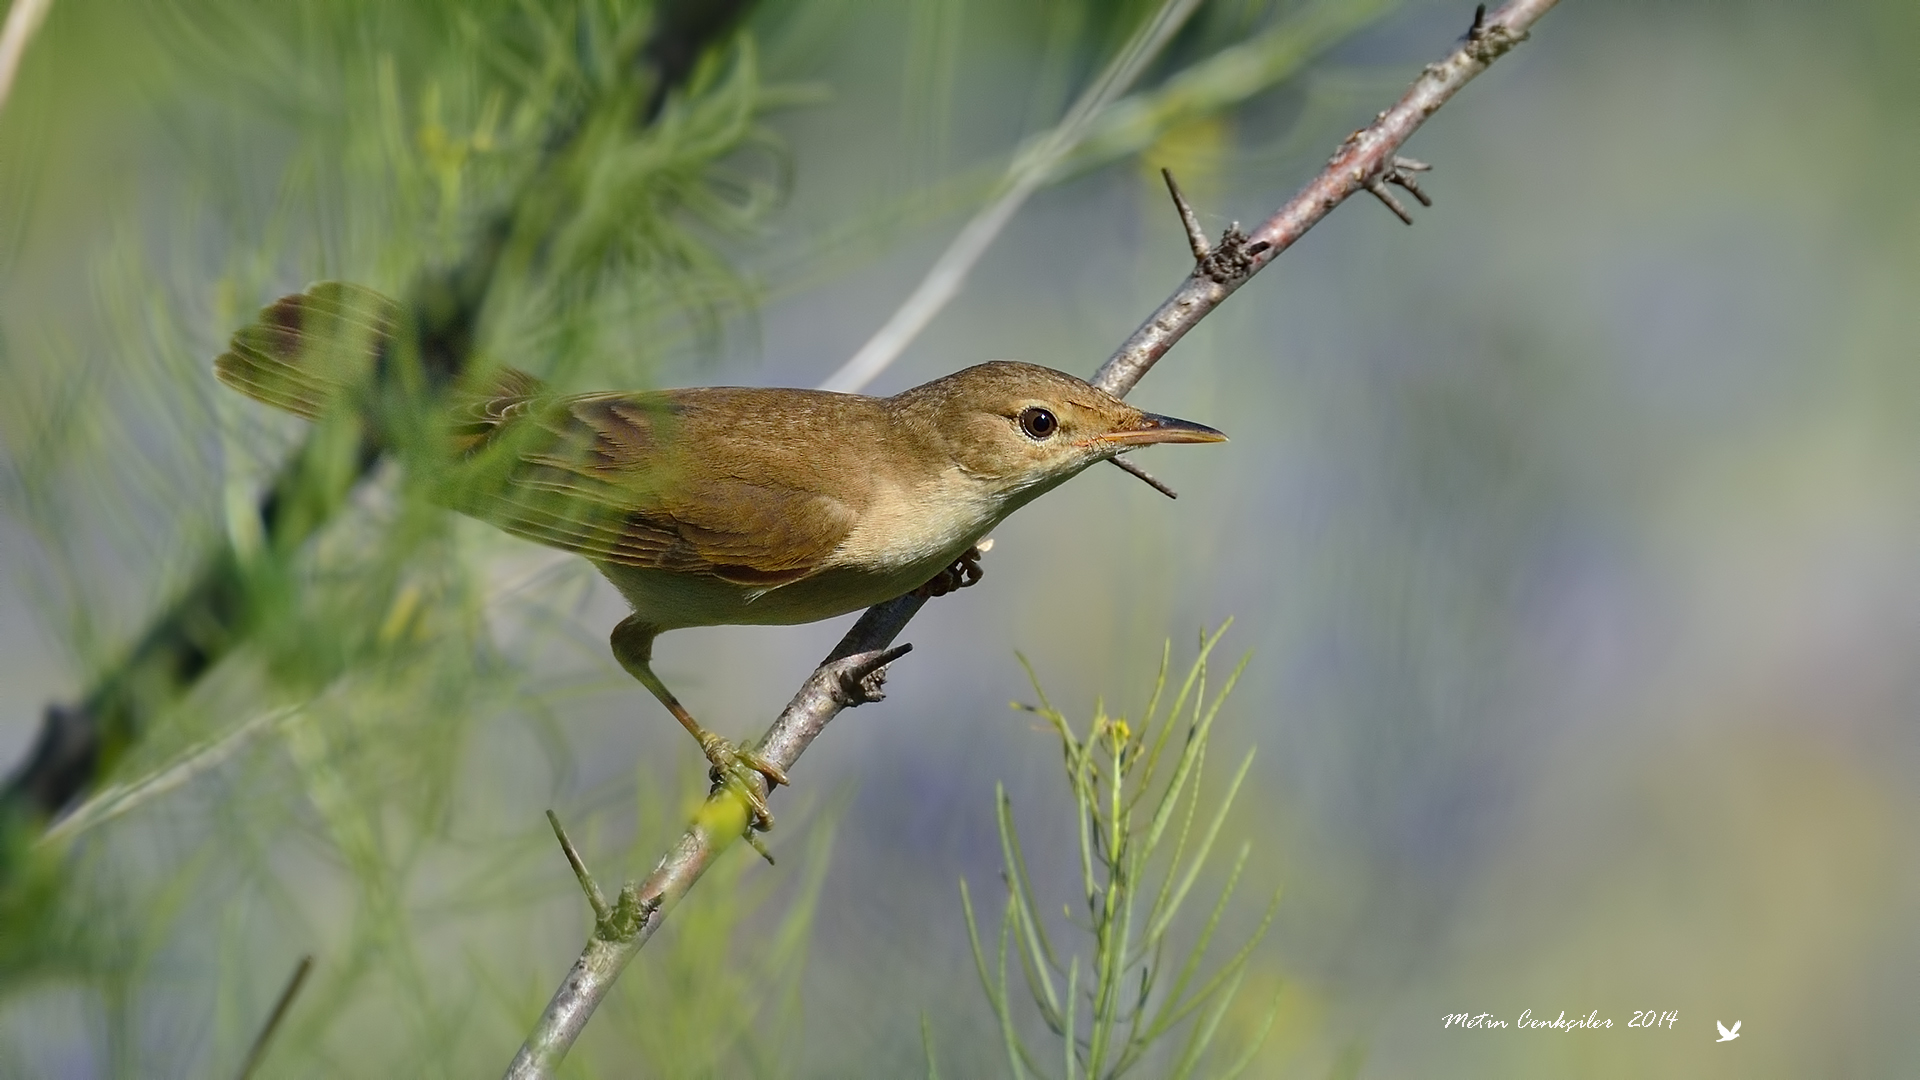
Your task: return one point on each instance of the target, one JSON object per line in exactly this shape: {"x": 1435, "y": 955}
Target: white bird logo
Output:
{"x": 1725, "y": 1034}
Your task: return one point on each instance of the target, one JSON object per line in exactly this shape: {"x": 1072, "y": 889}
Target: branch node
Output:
{"x": 1232, "y": 260}
{"x": 1399, "y": 171}
{"x": 1196, "y": 237}
{"x": 629, "y": 914}
{"x": 595, "y": 897}
{"x": 1487, "y": 43}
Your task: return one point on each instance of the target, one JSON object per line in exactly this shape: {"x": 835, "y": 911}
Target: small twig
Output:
{"x": 849, "y": 674}
{"x": 595, "y": 898}
{"x": 279, "y": 1013}
{"x": 1152, "y": 481}
{"x": 23, "y": 18}
{"x": 1402, "y": 174}
{"x": 1196, "y": 236}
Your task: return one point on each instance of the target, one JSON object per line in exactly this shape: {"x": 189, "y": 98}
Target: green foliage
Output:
{"x": 1130, "y": 797}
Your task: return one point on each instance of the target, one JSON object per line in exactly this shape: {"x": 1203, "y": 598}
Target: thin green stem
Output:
{"x": 1177, "y": 1005}
{"x": 1206, "y": 846}
{"x": 1067, "y": 1029}
{"x": 996, "y": 989}
{"x": 1037, "y": 954}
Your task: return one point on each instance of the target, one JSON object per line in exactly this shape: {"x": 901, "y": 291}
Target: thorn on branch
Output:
{"x": 859, "y": 679}
{"x": 1479, "y": 28}
{"x": 1228, "y": 262}
{"x": 595, "y": 898}
{"x": 1196, "y": 238}
{"x": 1400, "y": 172}
{"x": 753, "y": 841}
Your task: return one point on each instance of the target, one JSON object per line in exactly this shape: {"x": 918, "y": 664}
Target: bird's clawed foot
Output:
{"x": 745, "y": 772}
{"x": 966, "y": 570}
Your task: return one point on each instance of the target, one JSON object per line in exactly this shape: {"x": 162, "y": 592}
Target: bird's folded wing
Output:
{"x": 613, "y": 477}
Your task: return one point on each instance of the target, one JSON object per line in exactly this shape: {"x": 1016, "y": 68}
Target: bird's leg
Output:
{"x": 966, "y": 570}
{"x": 732, "y": 765}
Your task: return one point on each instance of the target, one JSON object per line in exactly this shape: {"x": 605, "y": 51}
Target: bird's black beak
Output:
{"x": 1152, "y": 429}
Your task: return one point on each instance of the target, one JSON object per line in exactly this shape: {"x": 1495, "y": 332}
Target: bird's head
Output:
{"x": 1023, "y": 429}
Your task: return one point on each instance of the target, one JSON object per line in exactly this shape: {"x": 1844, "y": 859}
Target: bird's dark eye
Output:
{"x": 1038, "y": 422}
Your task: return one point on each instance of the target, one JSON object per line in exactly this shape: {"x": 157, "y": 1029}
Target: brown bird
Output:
{"x": 722, "y": 505}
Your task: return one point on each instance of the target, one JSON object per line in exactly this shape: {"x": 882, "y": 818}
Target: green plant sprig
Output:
{"x": 1122, "y": 813}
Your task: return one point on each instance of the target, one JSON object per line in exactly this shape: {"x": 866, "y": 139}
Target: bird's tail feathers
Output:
{"x": 307, "y": 349}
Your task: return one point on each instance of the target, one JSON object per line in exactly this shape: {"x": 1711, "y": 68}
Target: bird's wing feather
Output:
{"x": 610, "y": 476}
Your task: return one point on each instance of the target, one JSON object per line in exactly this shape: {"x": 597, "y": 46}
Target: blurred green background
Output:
{"x": 1574, "y": 532}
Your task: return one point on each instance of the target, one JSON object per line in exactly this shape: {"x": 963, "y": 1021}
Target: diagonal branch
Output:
{"x": 849, "y": 676}
{"x": 1363, "y": 160}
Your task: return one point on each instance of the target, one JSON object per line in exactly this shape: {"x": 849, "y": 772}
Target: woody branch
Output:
{"x": 1365, "y": 161}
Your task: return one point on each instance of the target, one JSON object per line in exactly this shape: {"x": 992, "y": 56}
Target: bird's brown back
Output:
{"x": 754, "y": 486}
